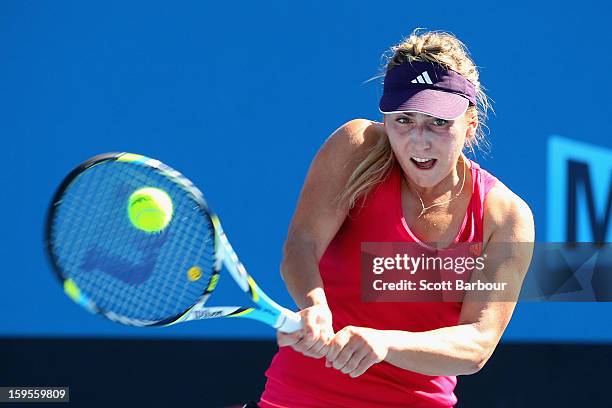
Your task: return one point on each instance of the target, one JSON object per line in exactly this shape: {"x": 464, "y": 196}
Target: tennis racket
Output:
{"x": 139, "y": 278}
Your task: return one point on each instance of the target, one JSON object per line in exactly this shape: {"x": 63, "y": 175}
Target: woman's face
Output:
{"x": 416, "y": 137}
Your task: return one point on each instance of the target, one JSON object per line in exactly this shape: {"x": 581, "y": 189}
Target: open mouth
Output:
{"x": 423, "y": 163}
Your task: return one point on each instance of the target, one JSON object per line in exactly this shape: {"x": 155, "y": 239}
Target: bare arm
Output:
{"x": 318, "y": 218}
{"x": 465, "y": 348}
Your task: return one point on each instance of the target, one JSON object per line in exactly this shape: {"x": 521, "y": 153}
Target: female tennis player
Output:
{"x": 405, "y": 179}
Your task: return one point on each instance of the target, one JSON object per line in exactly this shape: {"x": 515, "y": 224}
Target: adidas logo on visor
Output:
{"x": 422, "y": 79}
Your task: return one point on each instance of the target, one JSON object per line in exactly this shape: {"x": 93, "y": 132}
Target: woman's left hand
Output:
{"x": 355, "y": 349}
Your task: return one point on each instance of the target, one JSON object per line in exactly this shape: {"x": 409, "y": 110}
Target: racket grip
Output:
{"x": 289, "y": 321}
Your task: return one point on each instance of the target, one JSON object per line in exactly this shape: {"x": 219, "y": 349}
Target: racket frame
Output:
{"x": 265, "y": 309}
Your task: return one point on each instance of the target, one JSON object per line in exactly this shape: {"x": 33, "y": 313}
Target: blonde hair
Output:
{"x": 437, "y": 47}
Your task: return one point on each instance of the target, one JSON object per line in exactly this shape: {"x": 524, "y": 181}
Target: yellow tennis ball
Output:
{"x": 150, "y": 209}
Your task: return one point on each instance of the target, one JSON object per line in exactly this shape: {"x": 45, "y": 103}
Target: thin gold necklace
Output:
{"x": 447, "y": 201}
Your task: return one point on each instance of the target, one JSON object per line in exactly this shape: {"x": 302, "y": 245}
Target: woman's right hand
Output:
{"x": 313, "y": 338}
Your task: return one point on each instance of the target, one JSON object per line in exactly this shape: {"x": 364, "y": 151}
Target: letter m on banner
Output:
{"x": 579, "y": 193}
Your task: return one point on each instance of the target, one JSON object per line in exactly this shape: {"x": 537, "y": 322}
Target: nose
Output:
{"x": 420, "y": 137}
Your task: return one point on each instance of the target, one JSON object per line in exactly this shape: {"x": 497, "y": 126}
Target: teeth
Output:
{"x": 419, "y": 160}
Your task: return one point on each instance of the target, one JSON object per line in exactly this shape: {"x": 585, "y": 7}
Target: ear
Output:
{"x": 472, "y": 127}
{"x": 471, "y": 132}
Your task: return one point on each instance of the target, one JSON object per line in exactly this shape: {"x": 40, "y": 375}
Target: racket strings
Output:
{"x": 141, "y": 302}
{"x": 109, "y": 285}
{"x": 92, "y": 222}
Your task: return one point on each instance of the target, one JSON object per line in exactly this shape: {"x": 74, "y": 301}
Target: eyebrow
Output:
{"x": 412, "y": 114}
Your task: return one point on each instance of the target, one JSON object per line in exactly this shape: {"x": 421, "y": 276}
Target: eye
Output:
{"x": 403, "y": 119}
{"x": 440, "y": 122}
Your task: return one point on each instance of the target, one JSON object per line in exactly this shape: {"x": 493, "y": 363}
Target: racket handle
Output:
{"x": 289, "y": 321}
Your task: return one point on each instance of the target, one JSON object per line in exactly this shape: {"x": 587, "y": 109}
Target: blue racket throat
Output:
{"x": 140, "y": 278}
{"x": 267, "y": 310}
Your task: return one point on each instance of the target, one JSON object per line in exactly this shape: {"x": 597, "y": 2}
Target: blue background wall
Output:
{"x": 239, "y": 96}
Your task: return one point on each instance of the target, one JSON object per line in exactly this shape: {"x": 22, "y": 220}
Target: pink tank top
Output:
{"x": 297, "y": 381}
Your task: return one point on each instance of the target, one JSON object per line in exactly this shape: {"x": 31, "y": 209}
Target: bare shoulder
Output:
{"x": 318, "y": 216}
{"x": 508, "y": 216}
{"x": 345, "y": 149}
{"x": 357, "y": 134}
